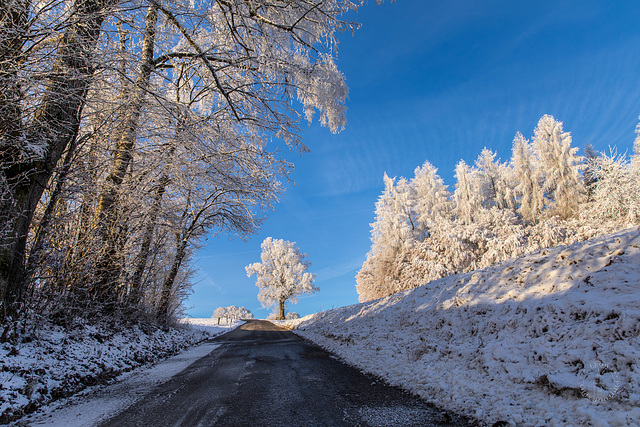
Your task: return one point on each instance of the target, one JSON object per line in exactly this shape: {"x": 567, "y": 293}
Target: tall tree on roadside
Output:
{"x": 255, "y": 59}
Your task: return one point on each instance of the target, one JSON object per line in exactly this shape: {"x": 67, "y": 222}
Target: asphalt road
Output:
{"x": 263, "y": 375}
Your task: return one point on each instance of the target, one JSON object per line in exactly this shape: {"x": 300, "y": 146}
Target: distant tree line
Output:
{"x": 546, "y": 195}
{"x": 130, "y": 130}
{"x": 231, "y": 313}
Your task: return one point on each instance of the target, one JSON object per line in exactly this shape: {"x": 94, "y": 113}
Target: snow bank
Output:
{"x": 97, "y": 404}
{"x": 56, "y": 363}
{"x": 550, "y": 338}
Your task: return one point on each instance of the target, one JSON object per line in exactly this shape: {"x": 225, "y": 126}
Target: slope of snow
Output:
{"x": 56, "y": 363}
{"x": 550, "y": 338}
{"x": 97, "y": 404}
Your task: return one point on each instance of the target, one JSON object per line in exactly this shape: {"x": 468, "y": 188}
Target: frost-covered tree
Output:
{"x": 559, "y": 164}
{"x": 498, "y": 211}
{"x": 244, "y": 313}
{"x": 396, "y": 218}
{"x": 493, "y": 181}
{"x": 408, "y": 215}
{"x": 432, "y": 200}
{"x": 528, "y": 189}
{"x": 282, "y": 275}
{"x": 231, "y": 313}
{"x": 44, "y": 123}
{"x": 393, "y": 233}
{"x": 246, "y": 63}
{"x": 634, "y": 169}
{"x": 219, "y": 313}
{"x": 615, "y": 188}
{"x": 239, "y": 83}
{"x": 466, "y": 194}
{"x": 590, "y": 156}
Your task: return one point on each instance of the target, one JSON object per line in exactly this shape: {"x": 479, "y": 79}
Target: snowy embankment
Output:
{"x": 56, "y": 363}
{"x": 550, "y": 338}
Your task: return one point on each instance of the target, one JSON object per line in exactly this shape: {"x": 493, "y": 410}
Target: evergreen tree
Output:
{"x": 528, "y": 190}
{"x": 559, "y": 165}
{"x": 495, "y": 189}
{"x": 432, "y": 199}
{"x": 466, "y": 195}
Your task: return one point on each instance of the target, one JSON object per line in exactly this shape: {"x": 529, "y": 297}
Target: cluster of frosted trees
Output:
{"x": 130, "y": 129}
{"x": 231, "y": 313}
{"x": 544, "y": 196}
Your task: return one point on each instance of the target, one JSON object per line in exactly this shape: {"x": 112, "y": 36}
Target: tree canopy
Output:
{"x": 282, "y": 275}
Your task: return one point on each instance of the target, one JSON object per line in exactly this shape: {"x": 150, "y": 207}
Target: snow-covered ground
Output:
{"x": 210, "y": 325}
{"x": 96, "y": 404}
{"x": 57, "y": 363}
{"x": 550, "y": 338}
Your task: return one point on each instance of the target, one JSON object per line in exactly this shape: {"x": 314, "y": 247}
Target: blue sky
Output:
{"x": 437, "y": 81}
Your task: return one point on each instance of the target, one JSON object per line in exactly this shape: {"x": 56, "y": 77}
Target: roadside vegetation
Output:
{"x": 130, "y": 130}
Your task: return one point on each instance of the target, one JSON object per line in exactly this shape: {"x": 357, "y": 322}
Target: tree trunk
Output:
{"x": 281, "y": 312}
{"x": 35, "y": 255}
{"x": 55, "y": 124}
{"x": 145, "y": 249}
{"x": 167, "y": 287}
{"x": 14, "y": 26}
{"x": 143, "y": 256}
{"x": 107, "y": 268}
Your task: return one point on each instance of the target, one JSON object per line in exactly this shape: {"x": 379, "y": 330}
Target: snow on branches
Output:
{"x": 497, "y": 211}
{"x": 282, "y": 275}
{"x": 109, "y": 179}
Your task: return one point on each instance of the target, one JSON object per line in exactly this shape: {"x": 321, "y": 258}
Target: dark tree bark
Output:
{"x": 14, "y": 21}
{"x": 145, "y": 248}
{"x": 137, "y": 291}
{"x": 167, "y": 287}
{"x": 42, "y": 230}
{"x": 281, "y": 311}
{"x": 55, "y": 124}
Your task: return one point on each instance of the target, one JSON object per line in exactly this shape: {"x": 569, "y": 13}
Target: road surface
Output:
{"x": 263, "y": 375}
